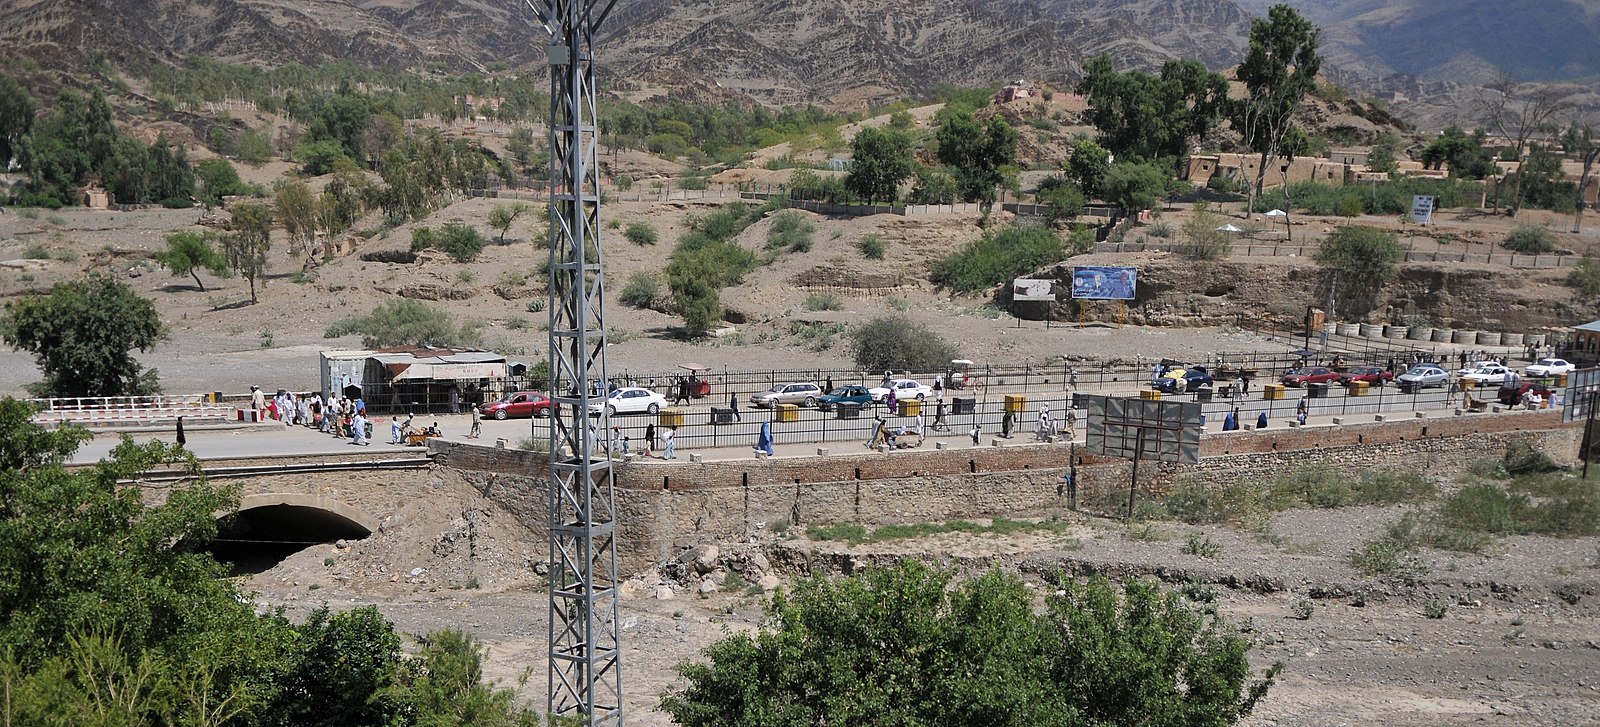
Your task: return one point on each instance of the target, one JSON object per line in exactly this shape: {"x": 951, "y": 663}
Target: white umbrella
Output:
{"x": 1277, "y": 213}
{"x": 1229, "y": 228}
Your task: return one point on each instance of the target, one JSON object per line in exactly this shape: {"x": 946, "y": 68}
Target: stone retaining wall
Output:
{"x": 665, "y": 506}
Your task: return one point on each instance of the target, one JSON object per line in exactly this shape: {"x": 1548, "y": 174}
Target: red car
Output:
{"x": 1374, "y": 375}
{"x": 519, "y": 404}
{"x": 1311, "y": 375}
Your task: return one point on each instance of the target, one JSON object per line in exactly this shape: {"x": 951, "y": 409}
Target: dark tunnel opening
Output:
{"x": 254, "y": 540}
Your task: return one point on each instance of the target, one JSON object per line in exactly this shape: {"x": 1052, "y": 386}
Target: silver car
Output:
{"x": 1422, "y": 376}
{"x": 804, "y": 394}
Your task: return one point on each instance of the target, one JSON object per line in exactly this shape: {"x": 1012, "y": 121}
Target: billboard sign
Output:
{"x": 1421, "y": 209}
{"x": 1104, "y": 283}
{"x": 1581, "y": 399}
{"x": 1167, "y": 431}
{"x": 1025, "y": 289}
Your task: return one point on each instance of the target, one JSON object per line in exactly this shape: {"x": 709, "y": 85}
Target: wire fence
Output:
{"x": 1414, "y": 253}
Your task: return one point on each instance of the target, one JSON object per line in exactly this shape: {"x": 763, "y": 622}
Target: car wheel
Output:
{"x": 500, "y": 414}
{"x": 920, "y": 397}
{"x": 654, "y": 407}
{"x": 611, "y": 411}
{"x": 811, "y": 401}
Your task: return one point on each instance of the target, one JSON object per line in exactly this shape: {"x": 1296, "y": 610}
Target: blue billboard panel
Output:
{"x": 1104, "y": 283}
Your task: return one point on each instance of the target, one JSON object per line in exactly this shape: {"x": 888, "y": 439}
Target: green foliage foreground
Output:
{"x": 112, "y": 613}
{"x": 903, "y": 645}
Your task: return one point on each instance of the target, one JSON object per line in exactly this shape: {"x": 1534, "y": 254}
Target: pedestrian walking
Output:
{"x": 1261, "y": 421}
{"x": 683, "y": 391}
{"x": 669, "y": 441}
{"x": 258, "y": 399}
{"x": 889, "y": 399}
{"x": 394, "y": 430}
{"x": 1005, "y": 424}
{"x": 1072, "y": 379}
{"x": 358, "y": 429}
{"x": 181, "y": 439}
{"x": 614, "y": 444}
{"x": 977, "y": 430}
{"x": 649, "y": 441}
{"x": 764, "y": 439}
{"x": 477, "y": 422}
{"x": 733, "y": 405}
{"x": 828, "y": 387}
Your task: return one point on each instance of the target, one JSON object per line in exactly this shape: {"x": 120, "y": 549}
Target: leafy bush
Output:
{"x": 874, "y": 247}
{"x": 1302, "y": 609}
{"x": 642, "y": 289}
{"x": 1530, "y": 239}
{"x": 1366, "y": 259}
{"x": 1585, "y": 278}
{"x": 461, "y": 242}
{"x": 900, "y": 344}
{"x": 790, "y": 231}
{"x": 640, "y": 233}
{"x": 996, "y": 258}
{"x": 406, "y": 322}
{"x": 1200, "y": 544}
{"x": 1160, "y": 228}
{"x": 824, "y": 301}
{"x": 1387, "y": 198}
{"x": 1205, "y": 241}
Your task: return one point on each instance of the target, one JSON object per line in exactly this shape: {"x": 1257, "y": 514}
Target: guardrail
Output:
{"x": 127, "y": 410}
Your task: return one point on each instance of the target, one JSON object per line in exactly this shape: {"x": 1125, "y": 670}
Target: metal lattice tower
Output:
{"x": 585, "y": 680}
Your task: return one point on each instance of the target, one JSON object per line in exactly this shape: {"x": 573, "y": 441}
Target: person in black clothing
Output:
{"x": 828, "y": 387}
{"x": 181, "y": 439}
{"x": 733, "y": 403}
{"x": 683, "y": 391}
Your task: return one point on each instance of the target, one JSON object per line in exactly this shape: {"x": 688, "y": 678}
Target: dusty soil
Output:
{"x": 1517, "y": 645}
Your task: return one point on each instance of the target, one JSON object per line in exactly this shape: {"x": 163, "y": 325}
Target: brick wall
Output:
{"x": 664, "y": 506}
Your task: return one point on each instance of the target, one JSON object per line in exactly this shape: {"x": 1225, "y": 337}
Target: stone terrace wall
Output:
{"x": 665, "y": 506}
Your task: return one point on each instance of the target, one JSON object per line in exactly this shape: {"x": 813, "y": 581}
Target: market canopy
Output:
{"x": 1277, "y": 213}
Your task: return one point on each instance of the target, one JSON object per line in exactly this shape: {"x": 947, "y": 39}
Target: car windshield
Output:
{"x": 774, "y": 390}
{"x": 1549, "y": 362}
{"x": 841, "y": 391}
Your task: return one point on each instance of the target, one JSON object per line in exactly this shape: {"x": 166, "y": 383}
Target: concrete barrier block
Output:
{"x": 994, "y": 442}
{"x": 1495, "y": 409}
{"x": 822, "y": 451}
{"x": 1379, "y": 418}
{"x": 760, "y": 454}
{"x": 695, "y": 458}
{"x": 1420, "y": 415}
{"x": 1294, "y": 424}
{"x": 1338, "y": 420}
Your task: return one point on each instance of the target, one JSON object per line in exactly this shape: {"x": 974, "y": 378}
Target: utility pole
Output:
{"x": 585, "y": 679}
{"x": 1333, "y": 291}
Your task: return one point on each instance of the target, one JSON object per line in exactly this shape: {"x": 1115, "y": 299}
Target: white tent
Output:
{"x": 1229, "y": 228}
{"x": 1277, "y": 213}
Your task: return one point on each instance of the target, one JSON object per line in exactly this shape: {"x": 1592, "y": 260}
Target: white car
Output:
{"x": 903, "y": 389}
{"x": 804, "y": 394}
{"x": 1488, "y": 374}
{"x": 630, "y": 400}
{"x": 1549, "y": 367}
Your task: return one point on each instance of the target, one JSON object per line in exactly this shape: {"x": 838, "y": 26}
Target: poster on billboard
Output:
{"x": 1026, "y": 289}
{"x": 1104, "y": 283}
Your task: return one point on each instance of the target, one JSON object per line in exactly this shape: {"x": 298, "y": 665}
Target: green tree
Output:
{"x": 446, "y": 686}
{"x": 343, "y": 201}
{"x": 1135, "y": 186}
{"x": 1206, "y": 242}
{"x": 1278, "y": 71}
{"x": 502, "y": 217}
{"x": 932, "y": 186}
{"x": 406, "y": 322}
{"x": 1145, "y": 117}
{"x": 460, "y": 241}
{"x": 16, "y": 117}
{"x": 1363, "y": 259}
{"x": 880, "y": 162}
{"x": 343, "y": 119}
{"x": 188, "y": 252}
{"x": 1087, "y": 167}
{"x": 903, "y": 645}
{"x": 1382, "y": 157}
{"x": 1461, "y": 153}
{"x": 347, "y": 674}
{"x": 296, "y": 209}
{"x": 976, "y": 152}
{"x": 246, "y": 247}
{"x": 1519, "y": 115}
{"x": 218, "y": 178}
{"x": 1065, "y": 201}
{"x": 83, "y": 334}
{"x": 697, "y": 299}
{"x": 254, "y": 147}
{"x": 1579, "y": 141}
{"x": 898, "y": 343}
{"x": 321, "y": 157}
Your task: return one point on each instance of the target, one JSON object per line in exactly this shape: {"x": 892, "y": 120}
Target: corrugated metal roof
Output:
{"x": 1591, "y": 326}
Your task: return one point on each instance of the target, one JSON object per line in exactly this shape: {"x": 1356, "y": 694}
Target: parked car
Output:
{"x": 519, "y": 404}
{"x": 845, "y": 395}
{"x": 1188, "y": 379}
{"x": 1422, "y": 376}
{"x": 1550, "y": 367}
{"x": 1374, "y": 375}
{"x": 1488, "y": 374}
{"x": 903, "y": 389}
{"x": 1511, "y": 394}
{"x": 630, "y": 400}
{"x": 804, "y": 394}
{"x": 1310, "y": 375}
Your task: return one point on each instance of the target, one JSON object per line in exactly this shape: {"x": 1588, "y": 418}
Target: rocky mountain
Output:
{"x": 1464, "y": 41}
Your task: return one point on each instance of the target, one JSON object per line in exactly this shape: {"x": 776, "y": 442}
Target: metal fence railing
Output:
{"x": 699, "y": 429}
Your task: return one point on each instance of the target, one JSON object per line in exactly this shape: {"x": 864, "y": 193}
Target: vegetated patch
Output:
{"x": 790, "y": 232}
{"x": 856, "y": 534}
{"x": 873, "y": 246}
{"x": 997, "y": 257}
{"x": 640, "y": 233}
{"x": 461, "y": 242}
{"x": 824, "y": 301}
{"x": 1531, "y": 239}
{"x": 1252, "y": 504}
{"x": 816, "y": 336}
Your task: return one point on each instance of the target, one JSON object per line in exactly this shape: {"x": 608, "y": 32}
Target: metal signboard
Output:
{"x": 1167, "y": 431}
{"x": 1026, "y": 289}
{"x": 1581, "y": 400}
{"x": 1422, "y": 209}
{"x": 1104, "y": 282}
